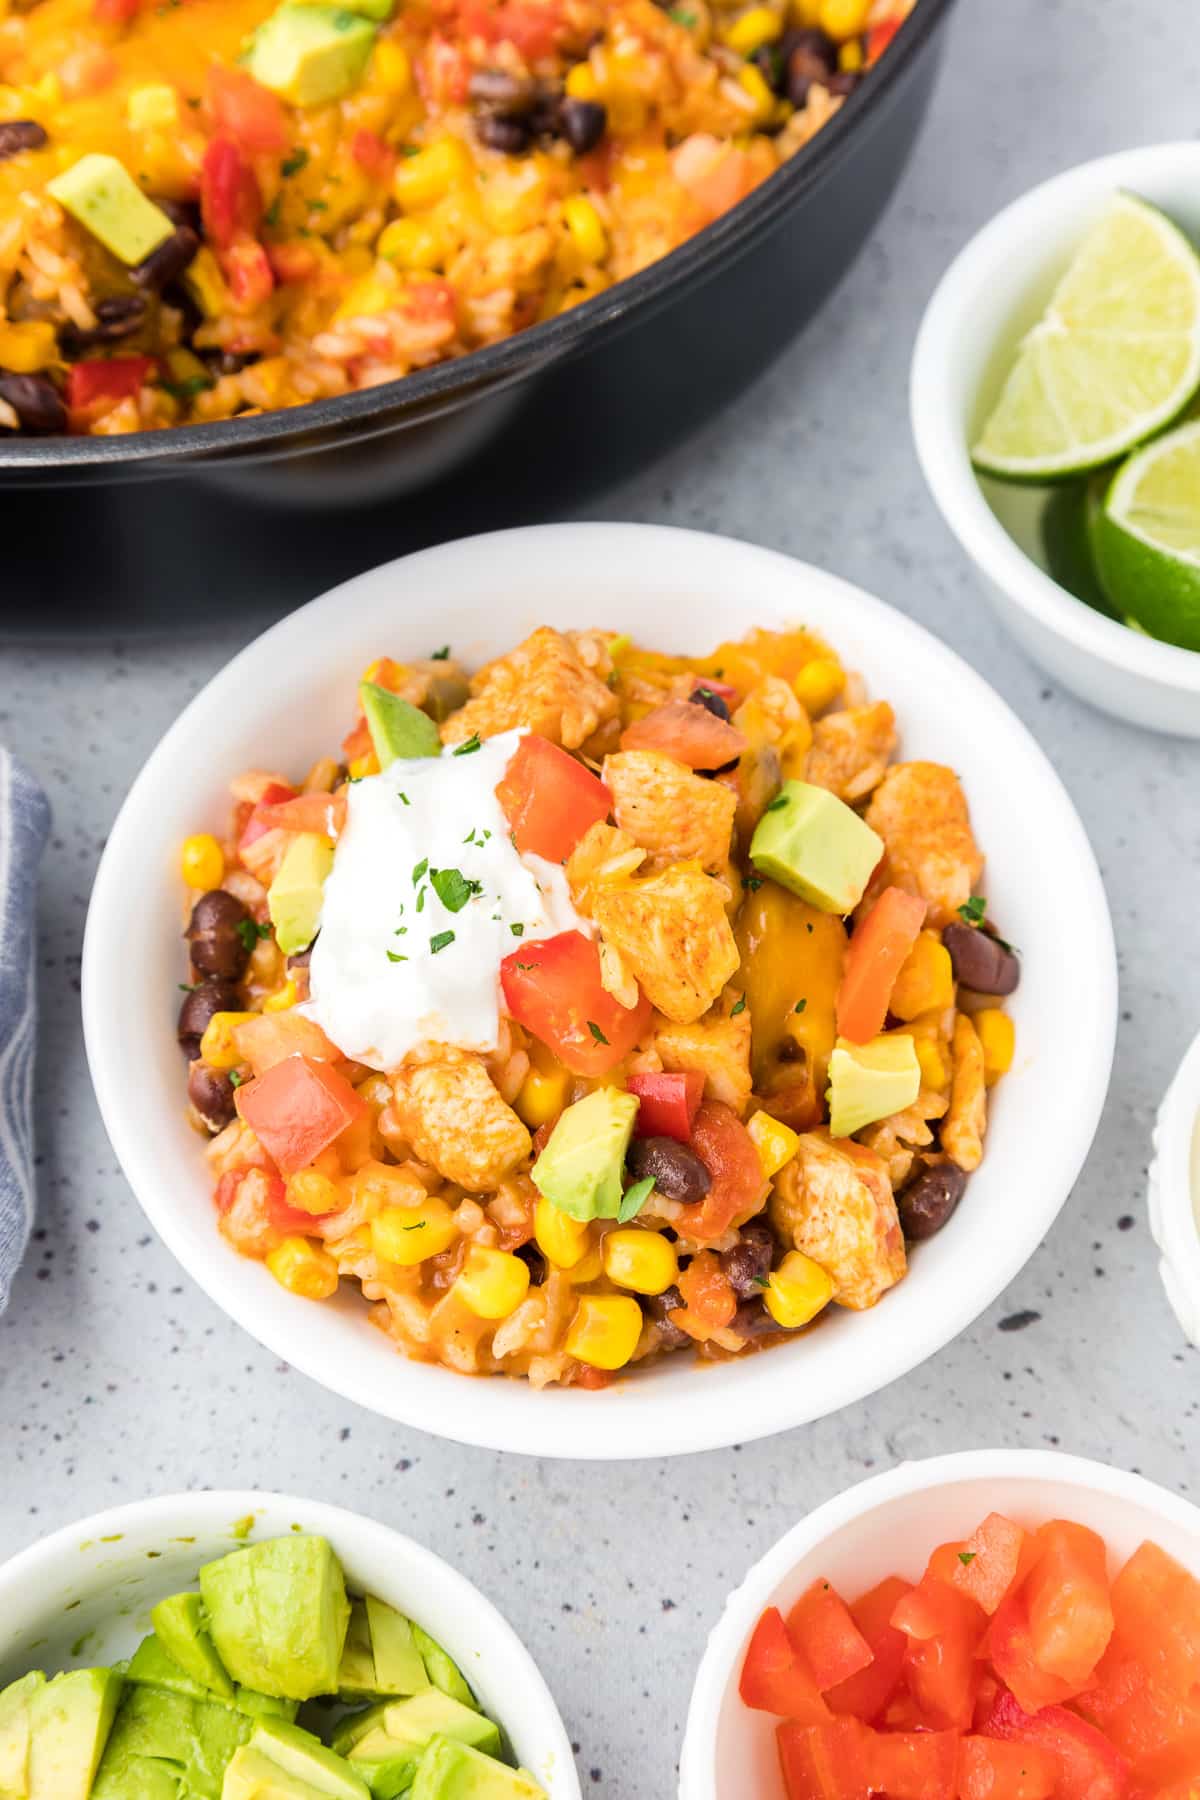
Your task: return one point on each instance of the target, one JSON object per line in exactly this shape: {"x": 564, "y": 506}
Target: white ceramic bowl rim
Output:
{"x": 1175, "y": 1215}
{"x": 616, "y": 573}
{"x": 942, "y": 448}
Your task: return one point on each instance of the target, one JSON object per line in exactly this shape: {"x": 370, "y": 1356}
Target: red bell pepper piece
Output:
{"x": 244, "y": 110}
{"x": 230, "y": 198}
{"x": 868, "y": 1692}
{"x": 549, "y": 799}
{"x": 913, "y": 1765}
{"x": 991, "y": 1562}
{"x": 669, "y": 1103}
{"x": 553, "y": 988}
{"x": 728, "y": 694}
{"x": 1088, "y": 1768}
{"x": 1067, "y": 1599}
{"x": 874, "y": 957}
{"x": 256, "y": 826}
{"x": 727, "y": 1151}
{"x": 943, "y": 1629}
{"x": 106, "y": 378}
{"x": 247, "y": 271}
{"x": 821, "y": 1627}
{"x": 991, "y": 1770}
{"x": 824, "y": 1762}
{"x": 774, "y": 1678}
{"x": 297, "y": 1109}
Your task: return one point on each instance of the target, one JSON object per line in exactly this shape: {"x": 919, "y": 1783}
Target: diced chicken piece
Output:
{"x": 673, "y": 933}
{"x": 717, "y": 1048}
{"x": 543, "y": 684}
{"x": 898, "y": 1139}
{"x": 851, "y": 749}
{"x": 669, "y": 810}
{"x": 602, "y": 855}
{"x": 965, "y": 1122}
{"x": 594, "y": 650}
{"x": 920, "y": 812}
{"x": 455, "y": 1119}
{"x": 834, "y": 1202}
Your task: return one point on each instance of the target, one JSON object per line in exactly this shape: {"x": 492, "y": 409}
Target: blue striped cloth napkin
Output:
{"x": 24, "y": 823}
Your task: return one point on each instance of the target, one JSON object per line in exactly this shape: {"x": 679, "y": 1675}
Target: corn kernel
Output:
{"x": 311, "y": 1192}
{"x": 934, "y": 1072}
{"x": 761, "y": 25}
{"x": 217, "y": 1046}
{"x": 754, "y": 83}
{"x": 364, "y": 765}
{"x": 926, "y": 979}
{"x": 282, "y": 999}
{"x": 998, "y": 1037}
{"x": 302, "y": 1268}
{"x": 372, "y": 293}
{"x": 562, "y": 1240}
{"x": 819, "y": 683}
{"x": 153, "y": 107}
{"x": 423, "y": 179}
{"x": 391, "y": 68}
{"x": 589, "y": 1268}
{"x": 28, "y": 347}
{"x": 844, "y": 19}
{"x": 412, "y": 243}
{"x": 543, "y": 1094}
{"x": 775, "y": 1142}
{"x": 850, "y": 57}
{"x": 605, "y": 1330}
{"x": 806, "y": 12}
{"x": 581, "y": 83}
{"x": 408, "y": 1234}
{"x": 797, "y": 1290}
{"x": 640, "y": 1260}
{"x": 202, "y": 861}
{"x": 493, "y": 1283}
{"x": 586, "y": 229}
{"x": 206, "y": 284}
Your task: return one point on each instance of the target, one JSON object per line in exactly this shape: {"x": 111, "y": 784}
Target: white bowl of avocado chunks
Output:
{"x": 257, "y": 1647}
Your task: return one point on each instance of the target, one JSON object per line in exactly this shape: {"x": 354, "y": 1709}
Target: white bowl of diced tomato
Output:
{"x": 992, "y": 1625}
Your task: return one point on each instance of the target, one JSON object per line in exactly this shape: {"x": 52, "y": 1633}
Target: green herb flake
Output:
{"x": 739, "y": 1006}
{"x": 972, "y": 911}
{"x": 187, "y": 987}
{"x": 439, "y": 940}
{"x": 395, "y": 956}
{"x": 468, "y": 746}
{"x": 421, "y": 901}
{"x": 188, "y": 388}
{"x": 596, "y": 1032}
{"x": 800, "y": 1006}
{"x": 634, "y": 1198}
{"x": 294, "y": 162}
{"x": 421, "y": 870}
{"x": 517, "y": 930}
{"x": 403, "y": 796}
{"x": 250, "y": 931}
{"x": 967, "y": 1557}
{"x": 442, "y": 655}
{"x": 777, "y": 803}
{"x": 754, "y": 882}
{"x": 236, "y": 1078}
{"x": 453, "y": 888}
{"x": 761, "y": 1281}
{"x": 419, "y": 1226}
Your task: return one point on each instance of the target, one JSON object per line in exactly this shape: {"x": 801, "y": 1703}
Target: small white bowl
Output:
{"x": 83, "y": 1597}
{"x": 992, "y": 293}
{"x": 283, "y": 701}
{"x": 888, "y": 1525}
{"x": 1173, "y": 1186}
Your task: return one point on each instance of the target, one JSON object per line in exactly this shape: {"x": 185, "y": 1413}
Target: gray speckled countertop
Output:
{"x": 119, "y": 1378}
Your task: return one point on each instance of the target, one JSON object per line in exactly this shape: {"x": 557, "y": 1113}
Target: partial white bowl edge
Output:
{"x": 1173, "y": 1219}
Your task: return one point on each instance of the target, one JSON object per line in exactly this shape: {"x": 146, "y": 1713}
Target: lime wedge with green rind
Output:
{"x": 1067, "y": 523}
{"x": 1114, "y": 358}
{"x": 1146, "y": 538}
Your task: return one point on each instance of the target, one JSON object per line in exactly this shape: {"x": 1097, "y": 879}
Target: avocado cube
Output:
{"x": 264, "y": 1706}
{"x": 299, "y": 1753}
{"x": 278, "y": 1614}
{"x": 356, "y": 1671}
{"x": 391, "y": 1779}
{"x": 442, "y": 1669}
{"x": 194, "y": 1738}
{"x": 871, "y": 1081}
{"x": 579, "y": 1171}
{"x": 452, "y": 1771}
{"x": 180, "y": 1627}
{"x": 100, "y": 192}
{"x": 397, "y": 728}
{"x": 294, "y": 897}
{"x": 253, "y": 1776}
{"x": 138, "y": 1778}
{"x": 16, "y": 1706}
{"x": 399, "y": 1667}
{"x": 151, "y": 1665}
{"x": 413, "y": 1723}
{"x": 814, "y": 844}
{"x": 378, "y": 10}
{"x": 70, "y": 1719}
{"x": 310, "y": 53}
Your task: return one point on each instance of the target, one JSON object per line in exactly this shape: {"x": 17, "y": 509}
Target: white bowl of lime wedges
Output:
{"x": 1054, "y": 398}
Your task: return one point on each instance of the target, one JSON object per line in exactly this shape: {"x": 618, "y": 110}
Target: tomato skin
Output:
{"x": 880, "y": 36}
{"x": 107, "y": 378}
{"x": 230, "y": 199}
{"x": 689, "y": 733}
{"x": 296, "y": 1109}
{"x": 824, "y": 1632}
{"x": 245, "y": 111}
{"x": 824, "y": 1761}
{"x": 533, "y": 29}
{"x": 274, "y": 794}
{"x": 669, "y": 1104}
{"x": 943, "y": 1630}
{"x": 1011, "y": 1649}
{"x": 998, "y": 1559}
{"x": 874, "y": 957}
{"x": 727, "y": 1151}
{"x": 1067, "y": 1599}
{"x": 774, "y": 1679}
{"x": 116, "y": 12}
{"x": 552, "y": 987}
{"x": 549, "y": 799}
{"x": 1088, "y": 1768}
{"x": 992, "y": 1770}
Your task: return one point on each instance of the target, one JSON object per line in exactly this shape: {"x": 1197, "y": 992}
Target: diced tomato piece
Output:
{"x": 108, "y": 378}
{"x": 1156, "y": 1605}
{"x": 230, "y": 198}
{"x": 357, "y": 742}
{"x": 244, "y": 110}
{"x": 944, "y": 1629}
{"x": 226, "y": 1189}
{"x": 1141, "y": 1716}
{"x": 274, "y": 794}
{"x": 1088, "y": 1768}
{"x": 321, "y": 813}
{"x": 913, "y": 1765}
{"x": 875, "y": 955}
{"x": 87, "y": 70}
{"x": 298, "y": 1108}
{"x": 774, "y": 1679}
{"x": 292, "y": 262}
{"x": 708, "y": 1296}
{"x": 430, "y": 302}
{"x": 991, "y": 1770}
{"x": 1067, "y": 1599}
{"x": 1010, "y": 1646}
{"x": 824, "y": 1762}
{"x": 550, "y": 799}
{"x": 867, "y": 1693}
{"x": 689, "y": 733}
{"x": 531, "y": 27}
{"x": 824, "y": 1632}
{"x": 991, "y": 1561}
{"x": 727, "y": 1151}
{"x": 881, "y": 35}
{"x": 248, "y": 272}
{"x": 270, "y": 1038}
{"x": 116, "y": 12}
{"x": 373, "y": 153}
{"x": 553, "y": 988}
{"x": 669, "y": 1103}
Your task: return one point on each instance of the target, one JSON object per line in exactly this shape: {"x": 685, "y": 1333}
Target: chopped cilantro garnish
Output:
{"x": 967, "y": 1557}
{"x": 780, "y": 800}
{"x": 441, "y": 655}
{"x": 271, "y": 216}
{"x": 800, "y": 1006}
{"x": 421, "y": 870}
{"x": 421, "y": 901}
{"x": 761, "y": 1281}
{"x": 439, "y": 940}
{"x": 754, "y": 882}
{"x": 596, "y": 1032}
{"x": 189, "y": 387}
{"x": 249, "y": 931}
{"x": 517, "y": 930}
{"x": 739, "y": 1006}
{"x": 395, "y": 956}
{"x": 634, "y": 1198}
{"x": 187, "y": 987}
{"x": 972, "y": 911}
{"x": 294, "y": 162}
{"x": 419, "y": 1226}
{"x": 468, "y": 745}
{"x": 524, "y": 966}
{"x": 404, "y": 796}
{"x": 236, "y": 1078}
{"x": 453, "y": 888}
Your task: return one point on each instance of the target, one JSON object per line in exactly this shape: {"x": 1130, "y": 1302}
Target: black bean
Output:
{"x": 116, "y": 318}
{"x": 218, "y": 946}
{"x": 211, "y": 1093}
{"x": 20, "y": 134}
{"x": 535, "y": 1262}
{"x": 511, "y": 136}
{"x": 36, "y": 402}
{"x": 502, "y": 92}
{"x": 659, "y": 1307}
{"x": 678, "y": 1172}
{"x": 180, "y": 212}
{"x": 844, "y": 82}
{"x": 752, "y": 1320}
{"x": 808, "y": 56}
{"x": 168, "y": 261}
{"x": 747, "y": 1264}
{"x": 927, "y": 1203}
{"x": 300, "y": 959}
{"x": 584, "y": 123}
{"x": 546, "y": 118}
{"x": 771, "y": 63}
{"x": 981, "y": 961}
{"x": 199, "y": 1005}
{"x": 713, "y": 703}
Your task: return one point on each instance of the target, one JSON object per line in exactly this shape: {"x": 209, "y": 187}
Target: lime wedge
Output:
{"x": 1067, "y": 540}
{"x": 1146, "y": 538}
{"x": 1114, "y": 358}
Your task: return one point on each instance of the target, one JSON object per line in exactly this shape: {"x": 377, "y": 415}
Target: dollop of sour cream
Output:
{"x": 426, "y": 896}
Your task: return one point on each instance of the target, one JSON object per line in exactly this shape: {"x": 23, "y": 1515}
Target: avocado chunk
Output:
{"x": 452, "y": 1771}
{"x": 70, "y": 1719}
{"x": 181, "y": 1630}
{"x": 304, "y": 1756}
{"x": 151, "y": 1665}
{"x": 391, "y": 1779}
{"x": 100, "y": 192}
{"x": 871, "y": 1081}
{"x": 399, "y": 1666}
{"x": 813, "y": 843}
{"x": 265, "y": 1706}
{"x": 356, "y": 1671}
{"x": 579, "y": 1171}
{"x": 408, "y": 1725}
{"x": 309, "y": 54}
{"x": 138, "y": 1778}
{"x": 397, "y": 728}
{"x": 16, "y": 1707}
{"x": 193, "y": 1739}
{"x": 378, "y": 10}
{"x": 294, "y": 897}
{"x": 278, "y": 1614}
{"x": 253, "y": 1776}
